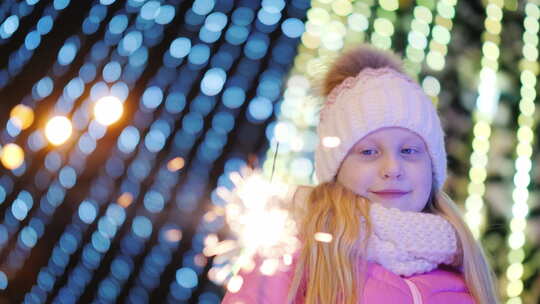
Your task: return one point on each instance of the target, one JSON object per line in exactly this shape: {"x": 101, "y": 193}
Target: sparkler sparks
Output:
{"x": 258, "y": 214}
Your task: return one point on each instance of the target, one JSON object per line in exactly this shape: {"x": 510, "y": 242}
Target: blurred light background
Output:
{"x": 120, "y": 119}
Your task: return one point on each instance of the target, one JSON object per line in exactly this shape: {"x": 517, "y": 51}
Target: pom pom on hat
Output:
{"x": 352, "y": 62}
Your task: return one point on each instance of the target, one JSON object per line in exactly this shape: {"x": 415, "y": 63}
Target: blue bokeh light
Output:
{"x": 129, "y": 139}
{"x": 118, "y": 24}
{"x": 87, "y": 212}
{"x": 44, "y": 25}
{"x": 60, "y": 4}
{"x": 32, "y": 40}
{"x": 180, "y": 47}
{"x": 154, "y": 201}
{"x": 132, "y": 41}
{"x": 141, "y": 226}
{"x": 152, "y": 97}
{"x": 67, "y": 177}
{"x": 213, "y": 81}
{"x": 203, "y": 7}
{"x": 243, "y": 16}
{"x": 292, "y": 27}
{"x": 233, "y": 97}
{"x": 28, "y": 237}
{"x": 166, "y": 14}
{"x": 215, "y": 22}
{"x": 199, "y": 54}
{"x": 267, "y": 17}
{"x": 10, "y": 25}
{"x": 186, "y": 277}
{"x": 175, "y": 102}
{"x": 260, "y": 108}
{"x": 150, "y": 10}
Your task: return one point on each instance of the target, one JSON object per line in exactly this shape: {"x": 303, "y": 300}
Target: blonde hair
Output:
{"x": 335, "y": 272}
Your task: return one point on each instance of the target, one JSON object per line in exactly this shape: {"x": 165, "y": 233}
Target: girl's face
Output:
{"x": 390, "y": 166}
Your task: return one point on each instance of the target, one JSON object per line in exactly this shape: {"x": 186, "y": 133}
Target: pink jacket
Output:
{"x": 382, "y": 286}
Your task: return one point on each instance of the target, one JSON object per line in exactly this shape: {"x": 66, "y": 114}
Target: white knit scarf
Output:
{"x": 407, "y": 242}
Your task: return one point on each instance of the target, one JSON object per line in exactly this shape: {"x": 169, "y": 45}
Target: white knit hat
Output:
{"x": 374, "y": 99}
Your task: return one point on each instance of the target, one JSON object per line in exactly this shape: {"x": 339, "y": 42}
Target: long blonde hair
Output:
{"x": 334, "y": 272}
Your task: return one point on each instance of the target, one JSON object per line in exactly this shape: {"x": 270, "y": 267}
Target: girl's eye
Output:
{"x": 368, "y": 152}
{"x": 409, "y": 151}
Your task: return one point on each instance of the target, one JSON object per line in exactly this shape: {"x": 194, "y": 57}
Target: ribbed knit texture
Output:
{"x": 407, "y": 242}
{"x": 374, "y": 99}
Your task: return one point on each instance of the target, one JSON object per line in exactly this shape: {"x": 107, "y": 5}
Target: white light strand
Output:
{"x": 525, "y": 135}
{"x": 486, "y": 107}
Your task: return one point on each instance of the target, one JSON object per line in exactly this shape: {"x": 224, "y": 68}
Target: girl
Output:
{"x": 396, "y": 236}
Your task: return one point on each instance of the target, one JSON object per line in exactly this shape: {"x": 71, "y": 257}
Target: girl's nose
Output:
{"x": 391, "y": 167}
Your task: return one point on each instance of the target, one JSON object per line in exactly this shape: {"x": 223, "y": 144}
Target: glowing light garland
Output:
{"x": 486, "y": 107}
{"x": 523, "y": 165}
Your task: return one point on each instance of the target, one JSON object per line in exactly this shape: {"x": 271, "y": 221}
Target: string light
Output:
{"x": 441, "y": 34}
{"x": 108, "y": 110}
{"x": 418, "y": 38}
{"x": 383, "y": 25}
{"x": 523, "y": 163}
{"x": 58, "y": 130}
{"x": 12, "y": 156}
{"x": 22, "y": 116}
{"x": 486, "y": 107}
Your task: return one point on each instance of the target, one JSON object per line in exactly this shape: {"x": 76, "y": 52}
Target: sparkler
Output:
{"x": 258, "y": 214}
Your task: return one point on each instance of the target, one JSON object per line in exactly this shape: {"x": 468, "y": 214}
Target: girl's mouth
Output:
{"x": 390, "y": 194}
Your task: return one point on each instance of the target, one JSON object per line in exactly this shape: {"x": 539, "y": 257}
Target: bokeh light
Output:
{"x": 58, "y": 130}
{"x": 108, "y": 110}
{"x": 22, "y": 116}
{"x": 12, "y": 156}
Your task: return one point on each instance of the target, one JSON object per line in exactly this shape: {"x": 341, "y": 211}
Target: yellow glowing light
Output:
{"x": 445, "y": 10}
{"x": 318, "y": 16}
{"x": 358, "y": 22}
{"x": 323, "y": 237}
{"x": 175, "y": 164}
{"x": 494, "y": 12}
{"x": 514, "y": 271}
{"x": 420, "y": 26}
{"x": 516, "y": 240}
{"x": 108, "y": 110}
{"x": 22, "y": 116}
{"x": 58, "y": 130}
{"x": 389, "y": 5}
{"x": 384, "y": 27}
{"x": 441, "y": 34}
{"x": 516, "y": 256}
{"x": 342, "y": 7}
{"x": 510, "y": 301}
{"x": 490, "y": 50}
{"x": 435, "y": 61}
{"x": 514, "y": 288}
{"x": 423, "y": 13}
{"x": 12, "y": 156}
